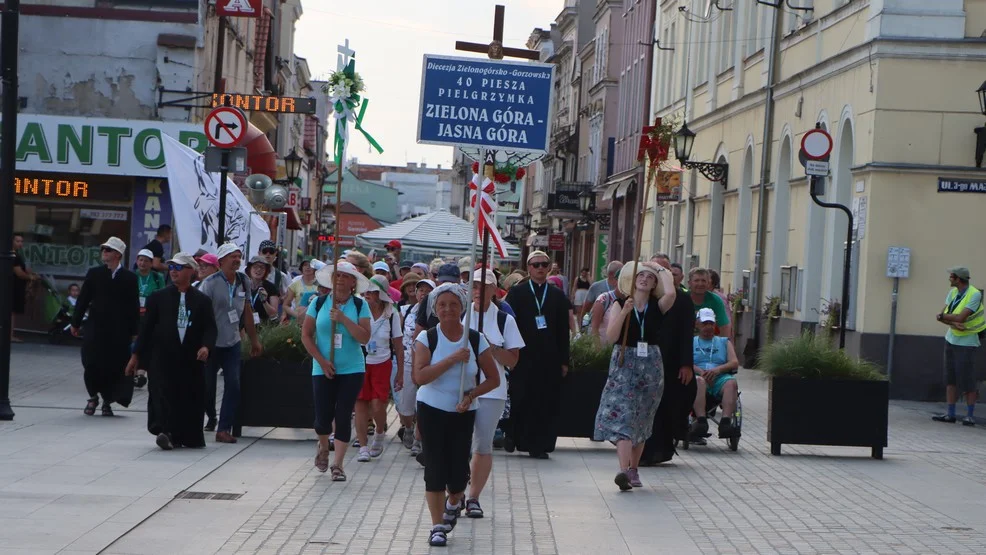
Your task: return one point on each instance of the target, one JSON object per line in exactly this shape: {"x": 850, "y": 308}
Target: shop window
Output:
{"x": 789, "y": 287}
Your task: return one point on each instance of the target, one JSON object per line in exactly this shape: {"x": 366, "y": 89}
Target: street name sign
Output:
{"x": 225, "y": 127}
{"x": 493, "y": 104}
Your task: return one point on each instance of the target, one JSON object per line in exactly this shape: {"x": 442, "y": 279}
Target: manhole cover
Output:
{"x": 209, "y": 495}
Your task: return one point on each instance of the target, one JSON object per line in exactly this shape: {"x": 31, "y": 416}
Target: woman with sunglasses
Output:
{"x": 446, "y": 414}
{"x": 264, "y": 298}
{"x": 636, "y": 373}
{"x": 338, "y": 365}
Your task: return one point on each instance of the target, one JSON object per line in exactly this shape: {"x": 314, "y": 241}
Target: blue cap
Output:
{"x": 448, "y": 273}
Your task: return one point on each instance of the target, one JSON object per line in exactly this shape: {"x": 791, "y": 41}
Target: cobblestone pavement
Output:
{"x": 927, "y": 496}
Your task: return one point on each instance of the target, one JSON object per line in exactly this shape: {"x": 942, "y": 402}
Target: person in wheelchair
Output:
{"x": 715, "y": 373}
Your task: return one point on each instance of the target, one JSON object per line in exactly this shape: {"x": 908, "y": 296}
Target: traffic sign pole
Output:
{"x": 225, "y": 127}
{"x": 223, "y": 170}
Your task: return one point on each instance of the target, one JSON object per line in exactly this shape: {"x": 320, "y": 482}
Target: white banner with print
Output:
{"x": 195, "y": 201}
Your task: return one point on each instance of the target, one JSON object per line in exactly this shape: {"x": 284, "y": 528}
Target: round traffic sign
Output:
{"x": 816, "y": 144}
{"x": 225, "y": 126}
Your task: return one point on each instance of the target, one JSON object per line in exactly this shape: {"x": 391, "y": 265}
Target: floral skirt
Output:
{"x": 631, "y": 396}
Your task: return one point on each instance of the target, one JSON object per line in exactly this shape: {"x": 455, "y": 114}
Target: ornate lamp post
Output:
{"x": 587, "y": 203}
{"x": 684, "y": 140}
{"x": 292, "y": 166}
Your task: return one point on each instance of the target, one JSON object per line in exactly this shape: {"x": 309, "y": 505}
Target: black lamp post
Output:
{"x": 981, "y": 131}
{"x": 684, "y": 140}
{"x": 587, "y": 203}
{"x": 292, "y": 166}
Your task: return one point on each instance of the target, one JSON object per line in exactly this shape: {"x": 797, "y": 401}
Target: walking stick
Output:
{"x": 633, "y": 282}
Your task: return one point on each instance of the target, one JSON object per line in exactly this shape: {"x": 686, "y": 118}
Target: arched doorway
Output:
{"x": 717, "y": 214}
{"x": 840, "y": 191}
{"x": 813, "y": 251}
{"x": 781, "y": 220}
{"x": 744, "y": 217}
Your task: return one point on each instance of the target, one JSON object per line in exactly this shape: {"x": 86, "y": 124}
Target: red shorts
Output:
{"x": 376, "y": 382}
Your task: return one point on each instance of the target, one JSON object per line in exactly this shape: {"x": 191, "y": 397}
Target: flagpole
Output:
{"x": 633, "y": 281}
{"x": 488, "y": 162}
{"x": 335, "y": 242}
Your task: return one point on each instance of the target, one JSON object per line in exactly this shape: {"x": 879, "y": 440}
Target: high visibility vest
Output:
{"x": 976, "y": 321}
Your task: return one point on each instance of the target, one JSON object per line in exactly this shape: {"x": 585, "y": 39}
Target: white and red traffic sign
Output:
{"x": 239, "y": 8}
{"x": 816, "y": 144}
{"x": 225, "y": 126}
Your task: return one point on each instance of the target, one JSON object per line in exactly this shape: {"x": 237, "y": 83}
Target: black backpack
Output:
{"x": 358, "y": 302}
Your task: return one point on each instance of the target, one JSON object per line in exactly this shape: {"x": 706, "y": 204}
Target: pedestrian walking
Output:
{"x": 148, "y": 281}
{"x": 177, "y": 334}
{"x": 600, "y": 297}
{"x": 109, "y": 294}
{"x": 156, "y": 247}
{"x": 580, "y": 291}
{"x": 22, "y": 278}
{"x": 269, "y": 251}
{"x": 441, "y": 366}
{"x": 963, "y": 314}
{"x": 337, "y": 378}
{"x": 635, "y": 384}
{"x": 542, "y": 313}
{"x": 501, "y": 332}
{"x": 227, "y": 289}
{"x": 208, "y": 265}
{"x": 407, "y": 397}
{"x": 300, "y": 293}
{"x": 384, "y": 344}
{"x": 264, "y": 297}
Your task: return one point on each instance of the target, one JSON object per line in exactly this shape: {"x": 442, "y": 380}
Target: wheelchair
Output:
{"x": 711, "y": 409}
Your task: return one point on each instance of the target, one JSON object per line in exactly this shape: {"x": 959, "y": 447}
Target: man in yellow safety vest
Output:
{"x": 963, "y": 314}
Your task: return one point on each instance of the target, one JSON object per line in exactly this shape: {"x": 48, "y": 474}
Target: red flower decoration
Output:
{"x": 521, "y": 173}
{"x": 475, "y": 167}
{"x": 501, "y": 178}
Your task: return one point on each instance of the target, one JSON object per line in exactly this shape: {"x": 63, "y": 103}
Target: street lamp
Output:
{"x": 292, "y": 166}
{"x": 981, "y": 131}
{"x": 587, "y": 203}
{"x": 684, "y": 140}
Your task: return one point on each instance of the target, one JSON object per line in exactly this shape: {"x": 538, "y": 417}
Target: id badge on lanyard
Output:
{"x": 540, "y": 320}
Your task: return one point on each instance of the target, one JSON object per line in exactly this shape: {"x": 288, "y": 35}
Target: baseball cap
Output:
{"x": 184, "y": 259}
{"x": 116, "y": 244}
{"x": 427, "y": 282}
{"x": 706, "y": 315}
{"x": 465, "y": 265}
{"x": 257, "y": 260}
{"x": 960, "y": 272}
{"x": 227, "y": 249}
{"x": 448, "y": 273}
{"x": 146, "y": 252}
{"x": 210, "y": 259}
{"x": 536, "y": 254}
{"x": 381, "y": 266}
{"x": 267, "y": 244}
{"x": 490, "y": 278}
{"x": 394, "y": 244}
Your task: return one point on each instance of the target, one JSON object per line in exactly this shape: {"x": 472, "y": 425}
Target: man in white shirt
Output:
{"x": 505, "y": 342}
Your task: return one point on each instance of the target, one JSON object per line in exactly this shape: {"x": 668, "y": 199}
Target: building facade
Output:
{"x": 893, "y": 82}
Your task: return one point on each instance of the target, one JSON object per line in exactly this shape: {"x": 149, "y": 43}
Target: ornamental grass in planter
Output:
{"x": 823, "y": 396}
{"x": 276, "y": 387}
{"x": 582, "y": 388}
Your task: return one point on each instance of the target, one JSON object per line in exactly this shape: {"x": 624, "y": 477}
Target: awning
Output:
{"x": 261, "y": 156}
{"x": 621, "y": 190}
{"x": 610, "y": 191}
{"x": 618, "y": 184}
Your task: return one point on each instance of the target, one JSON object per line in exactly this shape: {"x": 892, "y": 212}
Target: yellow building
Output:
{"x": 894, "y": 83}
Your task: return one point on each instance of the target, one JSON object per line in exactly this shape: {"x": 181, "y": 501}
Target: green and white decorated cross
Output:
{"x": 344, "y": 88}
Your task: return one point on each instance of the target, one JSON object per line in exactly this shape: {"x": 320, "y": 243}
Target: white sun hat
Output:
{"x": 116, "y": 244}
{"x": 362, "y": 284}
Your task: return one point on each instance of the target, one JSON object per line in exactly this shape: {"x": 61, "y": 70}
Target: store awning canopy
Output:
{"x": 436, "y": 234}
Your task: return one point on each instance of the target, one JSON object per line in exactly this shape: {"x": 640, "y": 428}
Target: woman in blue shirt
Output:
{"x": 337, "y": 377}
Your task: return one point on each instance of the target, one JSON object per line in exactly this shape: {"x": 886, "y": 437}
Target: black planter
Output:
{"x": 580, "y": 393}
{"x": 828, "y": 412}
{"x": 276, "y": 394}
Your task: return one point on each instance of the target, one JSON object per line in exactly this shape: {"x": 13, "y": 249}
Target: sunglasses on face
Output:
{"x": 176, "y": 267}
{"x": 540, "y": 264}
{"x": 106, "y": 249}
{"x": 268, "y": 251}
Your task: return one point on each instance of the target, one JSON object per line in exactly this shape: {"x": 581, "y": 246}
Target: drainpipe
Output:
{"x": 753, "y": 344}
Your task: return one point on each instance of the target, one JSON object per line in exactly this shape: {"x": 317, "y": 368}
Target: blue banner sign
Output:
{"x": 485, "y": 103}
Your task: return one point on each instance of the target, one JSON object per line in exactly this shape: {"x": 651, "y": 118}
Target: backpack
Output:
{"x": 432, "y": 336}
{"x": 501, "y": 321}
{"x": 358, "y": 302}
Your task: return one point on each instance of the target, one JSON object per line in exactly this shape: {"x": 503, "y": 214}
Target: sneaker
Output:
{"x": 968, "y": 421}
{"x": 376, "y": 446}
{"x": 400, "y": 433}
{"x": 140, "y": 381}
{"x": 726, "y": 429}
{"x": 508, "y": 444}
{"x": 364, "y": 455}
{"x": 416, "y": 448}
{"x": 408, "y": 439}
{"x": 371, "y": 429}
{"x": 355, "y": 443}
{"x": 164, "y": 442}
{"x": 623, "y": 481}
{"x": 420, "y": 457}
{"x": 498, "y": 439}
{"x": 634, "y": 477}
{"x": 698, "y": 430}
{"x": 210, "y": 426}
{"x": 943, "y": 418}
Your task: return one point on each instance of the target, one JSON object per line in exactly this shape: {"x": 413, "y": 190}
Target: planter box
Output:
{"x": 276, "y": 394}
{"x": 580, "y": 393}
{"x": 828, "y": 412}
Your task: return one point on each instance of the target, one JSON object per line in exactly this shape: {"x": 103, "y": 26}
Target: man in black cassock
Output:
{"x": 535, "y": 383}
{"x": 175, "y": 339}
{"x": 671, "y": 420}
{"x": 110, "y": 295}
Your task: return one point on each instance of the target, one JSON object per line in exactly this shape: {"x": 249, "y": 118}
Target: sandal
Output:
{"x": 473, "y": 510}
{"x": 337, "y": 474}
{"x": 91, "y": 405}
{"x": 107, "y": 410}
{"x": 321, "y": 458}
{"x": 451, "y": 515}
{"x": 439, "y": 536}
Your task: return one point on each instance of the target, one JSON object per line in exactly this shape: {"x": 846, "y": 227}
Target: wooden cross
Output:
{"x": 495, "y": 50}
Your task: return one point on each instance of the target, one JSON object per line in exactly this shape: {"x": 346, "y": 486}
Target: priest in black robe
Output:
{"x": 178, "y": 333}
{"x": 675, "y": 340}
{"x": 110, "y": 295}
{"x": 535, "y": 382}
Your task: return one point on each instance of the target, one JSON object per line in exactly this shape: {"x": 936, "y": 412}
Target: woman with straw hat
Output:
{"x": 337, "y": 382}
{"x": 383, "y": 345}
{"x": 636, "y": 374}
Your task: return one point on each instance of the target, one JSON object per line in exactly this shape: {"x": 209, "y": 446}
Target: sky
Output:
{"x": 390, "y": 38}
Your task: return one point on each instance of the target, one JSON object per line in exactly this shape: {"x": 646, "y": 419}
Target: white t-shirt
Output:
{"x": 183, "y": 317}
{"x": 409, "y": 324}
{"x": 510, "y": 339}
{"x": 378, "y": 349}
{"x": 443, "y": 392}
